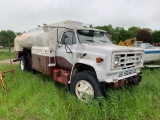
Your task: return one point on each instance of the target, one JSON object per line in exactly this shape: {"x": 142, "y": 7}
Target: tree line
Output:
{"x": 142, "y": 34}
{"x": 118, "y": 34}
{"x": 7, "y": 37}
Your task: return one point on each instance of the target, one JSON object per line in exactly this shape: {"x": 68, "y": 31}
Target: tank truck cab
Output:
{"x": 82, "y": 58}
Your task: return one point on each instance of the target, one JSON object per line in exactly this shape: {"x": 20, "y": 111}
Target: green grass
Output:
{"x": 31, "y": 97}
{"x": 6, "y": 49}
{"x": 6, "y": 55}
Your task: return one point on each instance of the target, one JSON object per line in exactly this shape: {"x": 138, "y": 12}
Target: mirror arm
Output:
{"x": 68, "y": 48}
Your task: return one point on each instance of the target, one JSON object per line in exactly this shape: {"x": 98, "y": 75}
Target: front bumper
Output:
{"x": 119, "y": 75}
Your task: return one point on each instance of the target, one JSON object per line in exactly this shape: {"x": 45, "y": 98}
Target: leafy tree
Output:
{"x": 144, "y": 35}
{"x": 148, "y": 29}
{"x": 119, "y": 33}
{"x": 123, "y": 35}
{"x": 156, "y": 36}
{"x": 118, "y": 29}
{"x": 133, "y": 30}
{"x": 6, "y": 36}
{"x": 107, "y": 28}
{"x": 3, "y": 41}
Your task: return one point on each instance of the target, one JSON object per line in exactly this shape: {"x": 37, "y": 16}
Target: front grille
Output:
{"x": 126, "y": 60}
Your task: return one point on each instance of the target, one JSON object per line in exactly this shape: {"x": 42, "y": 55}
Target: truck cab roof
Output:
{"x": 64, "y": 24}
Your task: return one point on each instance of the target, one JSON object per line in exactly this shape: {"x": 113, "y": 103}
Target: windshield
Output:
{"x": 91, "y": 36}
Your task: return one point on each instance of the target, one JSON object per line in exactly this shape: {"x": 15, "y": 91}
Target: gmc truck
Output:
{"x": 84, "y": 59}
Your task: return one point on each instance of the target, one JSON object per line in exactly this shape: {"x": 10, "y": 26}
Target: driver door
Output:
{"x": 65, "y": 54}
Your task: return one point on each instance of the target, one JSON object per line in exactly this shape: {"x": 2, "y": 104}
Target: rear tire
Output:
{"x": 25, "y": 63}
{"x": 86, "y": 87}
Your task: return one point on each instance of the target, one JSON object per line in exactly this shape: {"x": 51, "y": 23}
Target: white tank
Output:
{"x": 45, "y": 36}
{"x": 35, "y": 37}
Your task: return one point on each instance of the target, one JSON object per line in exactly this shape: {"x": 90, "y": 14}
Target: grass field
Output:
{"x": 6, "y": 55}
{"x": 38, "y": 97}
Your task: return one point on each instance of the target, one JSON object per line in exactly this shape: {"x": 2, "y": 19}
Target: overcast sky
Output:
{"x": 21, "y": 15}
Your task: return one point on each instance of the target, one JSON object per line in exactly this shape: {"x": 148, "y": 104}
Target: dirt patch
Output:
{"x": 7, "y": 62}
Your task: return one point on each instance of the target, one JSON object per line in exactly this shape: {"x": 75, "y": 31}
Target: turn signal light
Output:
{"x": 99, "y": 60}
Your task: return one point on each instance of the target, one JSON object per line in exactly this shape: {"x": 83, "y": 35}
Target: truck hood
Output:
{"x": 110, "y": 47}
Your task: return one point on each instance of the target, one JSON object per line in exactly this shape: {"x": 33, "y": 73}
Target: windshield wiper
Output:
{"x": 103, "y": 41}
{"x": 90, "y": 40}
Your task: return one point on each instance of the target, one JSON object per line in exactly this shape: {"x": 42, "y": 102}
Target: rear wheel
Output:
{"x": 25, "y": 63}
{"x": 85, "y": 87}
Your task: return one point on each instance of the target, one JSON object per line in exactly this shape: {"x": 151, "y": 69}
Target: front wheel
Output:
{"x": 85, "y": 86}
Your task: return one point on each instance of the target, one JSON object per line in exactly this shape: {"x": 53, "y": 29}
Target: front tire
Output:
{"x": 85, "y": 86}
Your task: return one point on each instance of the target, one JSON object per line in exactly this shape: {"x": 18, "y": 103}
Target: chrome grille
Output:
{"x": 127, "y": 60}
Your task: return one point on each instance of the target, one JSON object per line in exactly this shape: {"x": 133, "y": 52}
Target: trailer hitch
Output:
{"x": 2, "y": 77}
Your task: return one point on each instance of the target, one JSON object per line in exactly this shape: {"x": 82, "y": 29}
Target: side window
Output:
{"x": 68, "y": 38}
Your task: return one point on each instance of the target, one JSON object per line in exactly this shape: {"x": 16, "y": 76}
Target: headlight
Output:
{"x": 139, "y": 57}
{"x": 116, "y": 61}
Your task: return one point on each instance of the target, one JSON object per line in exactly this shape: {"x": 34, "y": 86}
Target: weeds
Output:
{"x": 39, "y": 97}
{"x": 6, "y": 55}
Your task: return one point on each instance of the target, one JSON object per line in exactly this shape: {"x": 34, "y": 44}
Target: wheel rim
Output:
{"x": 22, "y": 65}
{"x": 84, "y": 91}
